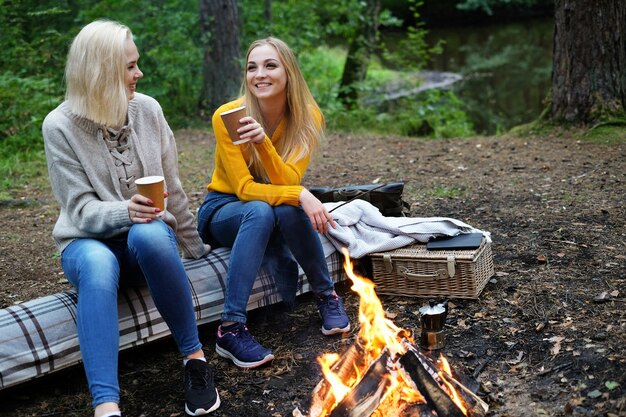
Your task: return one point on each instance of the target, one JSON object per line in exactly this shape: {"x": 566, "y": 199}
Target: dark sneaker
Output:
{"x": 334, "y": 317}
{"x": 201, "y": 397}
{"x": 239, "y": 346}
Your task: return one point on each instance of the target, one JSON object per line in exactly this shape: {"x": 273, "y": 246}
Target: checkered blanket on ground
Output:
{"x": 39, "y": 337}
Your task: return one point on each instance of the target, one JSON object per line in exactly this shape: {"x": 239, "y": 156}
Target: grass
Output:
{"x": 20, "y": 169}
{"x": 610, "y": 132}
{"x": 447, "y": 192}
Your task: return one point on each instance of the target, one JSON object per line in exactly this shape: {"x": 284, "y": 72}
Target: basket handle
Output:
{"x": 438, "y": 274}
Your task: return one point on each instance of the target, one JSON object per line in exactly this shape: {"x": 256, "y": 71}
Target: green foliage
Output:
{"x": 31, "y": 73}
{"x": 34, "y": 37}
{"x": 167, "y": 35}
{"x": 412, "y": 52}
{"x": 438, "y": 114}
{"x": 322, "y": 69}
{"x": 304, "y": 35}
{"x": 27, "y": 100}
{"x": 434, "y": 113}
{"x": 488, "y": 5}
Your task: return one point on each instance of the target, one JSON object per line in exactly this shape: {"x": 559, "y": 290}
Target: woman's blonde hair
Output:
{"x": 95, "y": 73}
{"x": 302, "y": 132}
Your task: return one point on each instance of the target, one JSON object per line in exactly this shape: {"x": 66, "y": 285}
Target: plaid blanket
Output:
{"x": 39, "y": 337}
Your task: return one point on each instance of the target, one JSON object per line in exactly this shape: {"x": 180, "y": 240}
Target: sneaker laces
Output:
{"x": 199, "y": 377}
{"x": 246, "y": 340}
{"x": 332, "y": 302}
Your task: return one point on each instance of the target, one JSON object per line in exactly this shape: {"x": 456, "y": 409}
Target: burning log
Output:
{"x": 366, "y": 396}
{"x": 424, "y": 382}
{"x": 478, "y": 406}
{"x": 346, "y": 369}
{"x": 418, "y": 410}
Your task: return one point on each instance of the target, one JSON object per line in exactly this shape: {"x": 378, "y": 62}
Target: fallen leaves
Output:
{"x": 556, "y": 348}
{"x": 605, "y": 296}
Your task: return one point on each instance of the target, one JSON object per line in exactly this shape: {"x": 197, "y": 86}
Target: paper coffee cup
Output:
{"x": 231, "y": 121}
{"x": 154, "y": 188}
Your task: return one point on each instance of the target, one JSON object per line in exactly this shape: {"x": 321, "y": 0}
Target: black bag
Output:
{"x": 386, "y": 197}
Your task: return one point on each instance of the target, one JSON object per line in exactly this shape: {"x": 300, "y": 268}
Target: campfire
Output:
{"x": 383, "y": 373}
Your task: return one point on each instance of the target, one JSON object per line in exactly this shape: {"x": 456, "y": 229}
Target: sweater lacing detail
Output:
{"x": 119, "y": 147}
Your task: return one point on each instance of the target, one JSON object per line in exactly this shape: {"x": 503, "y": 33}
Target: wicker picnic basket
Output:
{"x": 416, "y": 271}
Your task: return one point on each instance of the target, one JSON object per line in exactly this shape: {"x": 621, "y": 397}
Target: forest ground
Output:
{"x": 547, "y": 336}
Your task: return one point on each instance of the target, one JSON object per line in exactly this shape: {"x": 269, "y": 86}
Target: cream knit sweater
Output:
{"x": 85, "y": 182}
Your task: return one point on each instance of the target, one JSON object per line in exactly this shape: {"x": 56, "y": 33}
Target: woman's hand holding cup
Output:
{"x": 149, "y": 202}
{"x": 252, "y": 131}
{"x": 141, "y": 209}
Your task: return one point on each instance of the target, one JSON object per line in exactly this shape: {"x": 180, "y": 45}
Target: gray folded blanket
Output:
{"x": 362, "y": 229}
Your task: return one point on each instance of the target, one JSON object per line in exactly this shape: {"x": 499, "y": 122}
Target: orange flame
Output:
{"x": 377, "y": 333}
{"x": 376, "y": 330}
{"x": 338, "y": 387}
{"x": 454, "y": 395}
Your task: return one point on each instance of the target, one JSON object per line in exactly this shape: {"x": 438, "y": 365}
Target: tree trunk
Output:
{"x": 589, "y": 70}
{"x": 355, "y": 68}
{"x": 267, "y": 11}
{"x": 220, "y": 26}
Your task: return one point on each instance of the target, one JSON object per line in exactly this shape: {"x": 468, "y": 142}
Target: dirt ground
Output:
{"x": 547, "y": 337}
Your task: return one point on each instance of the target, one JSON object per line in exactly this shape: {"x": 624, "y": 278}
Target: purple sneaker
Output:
{"x": 239, "y": 346}
{"x": 334, "y": 317}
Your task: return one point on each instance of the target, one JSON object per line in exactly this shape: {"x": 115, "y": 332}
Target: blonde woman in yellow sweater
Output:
{"x": 255, "y": 204}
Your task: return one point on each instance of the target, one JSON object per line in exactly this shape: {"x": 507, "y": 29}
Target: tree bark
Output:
{"x": 589, "y": 63}
{"x": 220, "y": 26}
{"x": 355, "y": 68}
{"x": 267, "y": 11}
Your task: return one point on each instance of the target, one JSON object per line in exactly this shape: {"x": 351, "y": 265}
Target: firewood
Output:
{"x": 346, "y": 368}
{"x": 424, "y": 382}
{"x": 365, "y": 397}
{"x": 472, "y": 400}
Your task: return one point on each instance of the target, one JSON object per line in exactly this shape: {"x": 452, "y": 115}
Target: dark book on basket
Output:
{"x": 459, "y": 242}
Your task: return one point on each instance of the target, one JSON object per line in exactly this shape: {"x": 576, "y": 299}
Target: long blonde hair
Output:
{"x": 302, "y": 132}
{"x": 95, "y": 73}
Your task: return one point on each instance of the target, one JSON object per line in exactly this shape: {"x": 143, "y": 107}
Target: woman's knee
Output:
{"x": 92, "y": 266}
{"x": 151, "y": 234}
{"x": 260, "y": 213}
{"x": 290, "y": 215}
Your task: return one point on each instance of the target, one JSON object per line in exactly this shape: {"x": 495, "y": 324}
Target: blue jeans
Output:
{"x": 97, "y": 269}
{"x": 257, "y": 232}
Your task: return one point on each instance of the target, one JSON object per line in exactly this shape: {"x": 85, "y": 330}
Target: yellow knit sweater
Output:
{"x": 232, "y": 176}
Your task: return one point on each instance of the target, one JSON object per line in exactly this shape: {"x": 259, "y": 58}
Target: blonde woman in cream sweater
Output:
{"x": 98, "y": 141}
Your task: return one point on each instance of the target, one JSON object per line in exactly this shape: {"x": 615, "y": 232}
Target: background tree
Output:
{"x": 267, "y": 10}
{"x": 589, "y": 70}
{"x": 220, "y": 24}
{"x": 359, "y": 50}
